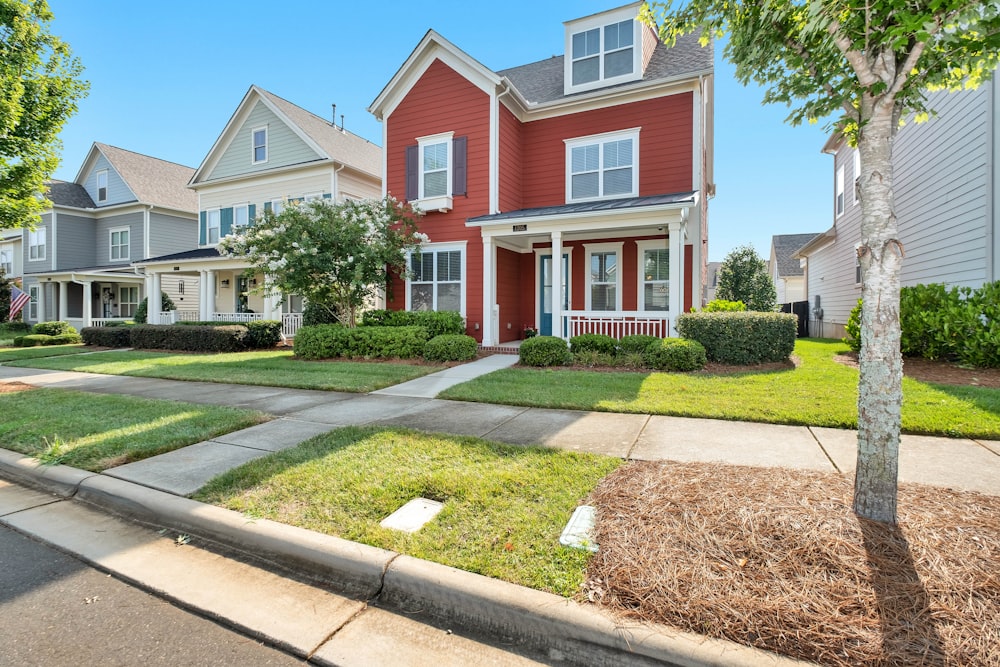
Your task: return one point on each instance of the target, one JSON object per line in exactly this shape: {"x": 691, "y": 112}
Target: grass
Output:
{"x": 96, "y": 432}
{"x": 23, "y": 353}
{"x": 270, "y": 368}
{"x": 819, "y": 392}
{"x": 504, "y": 506}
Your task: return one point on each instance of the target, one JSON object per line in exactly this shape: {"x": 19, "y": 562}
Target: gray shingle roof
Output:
{"x": 589, "y": 206}
{"x": 542, "y": 81}
{"x": 341, "y": 145}
{"x": 197, "y": 253}
{"x": 152, "y": 180}
{"x": 62, "y": 193}
{"x": 785, "y": 246}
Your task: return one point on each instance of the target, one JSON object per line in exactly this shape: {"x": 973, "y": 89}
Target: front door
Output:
{"x": 545, "y": 296}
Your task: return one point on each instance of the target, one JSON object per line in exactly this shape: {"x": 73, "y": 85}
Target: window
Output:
{"x": 602, "y": 50}
{"x": 857, "y": 269}
{"x": 857, "y": 176}
{"x": 840, "y": 191}
{"x": 603, "y": 276}
{"x": 259, "y": 149}
{"x": 312, "y": 196}
{"x": 241, "y": 215}
{"x": 654, "y": 276}
{"x": 434, "y": 171}
{"x": 128, "y": 301}
{"x": 213, "y": 223}
{"x": 7, "y": 259}
{"x": 436, "y": 281}
{"x": 36, "y": 244}
{"x": 277, "y": 205}
{"x": 102, "y": 185}
{"x": 119, "y": 243}
{"x": 603, "y": 166}
{"x": 33, "y": 303}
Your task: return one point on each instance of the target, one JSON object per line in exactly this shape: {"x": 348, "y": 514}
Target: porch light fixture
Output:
{"x": 224, "y": 282}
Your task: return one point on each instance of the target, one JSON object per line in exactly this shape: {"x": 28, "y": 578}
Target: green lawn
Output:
{"x": 96, "y": 432}
{"x": 22, "y": 353}
{"x": 504, "y": 506}
{"x": 270, "y": 368}
{"x": 820, "y": 392}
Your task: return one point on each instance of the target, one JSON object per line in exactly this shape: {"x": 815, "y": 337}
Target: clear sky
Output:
{"x": 166, "y": 76}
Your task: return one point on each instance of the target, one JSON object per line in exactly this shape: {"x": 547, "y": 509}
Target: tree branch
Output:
{"x": 866, "y": 77}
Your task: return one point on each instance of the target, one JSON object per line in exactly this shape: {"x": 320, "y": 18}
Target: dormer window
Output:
{"x": 102, "y": 185}
{"x": 602, "y": 50}
{"x": 259, "y": 135}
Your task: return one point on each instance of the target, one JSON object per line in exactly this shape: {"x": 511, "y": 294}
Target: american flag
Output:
{"x": 18, "y": 300}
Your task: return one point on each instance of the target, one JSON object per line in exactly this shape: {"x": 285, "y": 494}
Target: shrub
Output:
{"x": 263, "y": 334}
{"x": 325, "y": 341}
{"x": 450, "y": 347}
{"x": 853, "y": 328}
{"x": 636, "y": 344}
{"x": 64, "y": 339}
{"x": 228, "y": 338}
{"x": 723, "y": 306}
{"x": 676, "y": 354}
{"x": 591, "y": 358}
{"x": 632, "y": 360}
{"x": 741, "y": 338}
{"x": 319, "y": 313}
{"x": 117, "y": 336}
{"x": 437, "y": 323}
{"x": 592, "y": 343}
{"x": 166, "y": 303}
{"x": 15, "y": 328}
{"x": 545, "y": 351}
{"x": 32, "y": 340}
{"x": 53, "y": 328}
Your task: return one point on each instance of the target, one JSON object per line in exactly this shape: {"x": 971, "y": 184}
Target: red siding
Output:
{"x": 511, "y": 160}
{"x": 665, "y": 147}
{"x": 509, "y": 293}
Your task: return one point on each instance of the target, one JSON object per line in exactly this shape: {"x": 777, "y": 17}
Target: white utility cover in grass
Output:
{"x": 413, "y": 516}
{"x": 577, "y": 533}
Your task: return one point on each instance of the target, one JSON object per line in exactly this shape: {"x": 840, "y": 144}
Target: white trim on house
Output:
{"x": 593, "y": 33}
{"x": 37, "y": 242}
{"x": 838, "y": 193}
{"x": 254, "y": 146}
{"x": 567, "y": 279}
{"x": 438, "y": 200}
{"x": 601, "y": 142}
{"x": 237, "y": 209}
{"x": 603, "y": 248}
{"x": 211, "y": 213}
{"x": 857, "y": 176}
{"x": 102, "y": 173}
{"x": 112, "y": 246}
{"x": 34, "y": 300}
{"x": 641, "y": 248}
{"x": 435, "y": 248}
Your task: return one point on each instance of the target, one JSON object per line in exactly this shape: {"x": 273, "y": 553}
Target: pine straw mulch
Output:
{"x": 937, "y": 370}
{"x": 775, "y": 559}
{"x": 11, "y": 387}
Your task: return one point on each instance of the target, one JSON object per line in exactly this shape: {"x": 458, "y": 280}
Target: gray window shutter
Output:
{"x": 459, "y": 170}
{"x": 225, "y": 221}
{"x": 412, "y": 173}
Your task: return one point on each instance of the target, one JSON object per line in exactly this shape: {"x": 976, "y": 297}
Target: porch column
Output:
{"x": 272, "y": 299}
{"x": 676, "y": 293}
{"x": 557, "y": 283}
{"x": 490, "y": 334}
{"x": 210, "y": 294}
{"x": 63, "y": 300}
{"x": 88, "y": 302}
{"x": 154, "y": 301}
{"x": 202, "y": 296}
{"x": 41, "y": 303}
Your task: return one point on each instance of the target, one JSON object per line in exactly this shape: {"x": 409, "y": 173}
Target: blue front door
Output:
{"x": 545, "y": 291}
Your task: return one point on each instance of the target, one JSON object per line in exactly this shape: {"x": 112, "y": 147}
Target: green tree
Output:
{"x": 336, "y": 254}
{"x": 39, "y": 90}
{"x": 743, "y": 277}
{"x": 867, "y": 64}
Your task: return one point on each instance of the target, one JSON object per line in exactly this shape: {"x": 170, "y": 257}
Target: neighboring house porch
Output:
{"x": 85, "y": 297}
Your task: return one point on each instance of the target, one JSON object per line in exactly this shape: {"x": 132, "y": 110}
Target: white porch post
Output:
{"x": 88, "y": 302}
{"x": 272, "y": 299}
{"x": 41, "y": 302}
{"x": 557, "y": 285}
{"x": 209, "y": 294}
{"x": 154, "y": 301}
{"x": 202, "y": 296}
{"x": 676, "y": 294}
{"x": 63, "y": 300}
{"x": 490, "y": 335}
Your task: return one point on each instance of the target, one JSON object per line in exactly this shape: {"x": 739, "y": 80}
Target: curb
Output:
{"x": 563, "y": 629}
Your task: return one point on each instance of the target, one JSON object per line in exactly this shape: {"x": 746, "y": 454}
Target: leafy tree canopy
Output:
{"x": 743, "y": 277}
{"x": 39, "y": 90}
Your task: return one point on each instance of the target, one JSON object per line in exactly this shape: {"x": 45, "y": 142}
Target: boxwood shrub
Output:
{"x": 635, "y": 344}
{"x": 226, "y": 338}
{"x": 545, "y": 351}
{"x": 53, "y": 328}
{"x": 263, "y": 334}
{"x": 437, "y": 323}
{"x": 675, "y": 354}
{"x": 741, "y": 338}
{"x": 450, "y": 347}
{"x": 592, "y": 343}
{"x": 326, "y": 341}
{"x": 116, "y": 336}
{"x": 65, "y": 339}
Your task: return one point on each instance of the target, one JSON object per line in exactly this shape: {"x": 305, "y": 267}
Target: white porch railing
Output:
{"x": 236, "y": 317}
{"x": 186, "y": 315}
{"x": 290, "y": 323}
{"x": 616, "y": 324}
{"x": 104, "y": 321}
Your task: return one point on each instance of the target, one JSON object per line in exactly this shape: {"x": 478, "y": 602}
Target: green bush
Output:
{"x": 723, "y": 306}
{"x": 228, "y": 338}
{"x": 632, "y": 360}
{"x": 450, "y": 347}
{"x": 107, "y": 336}
{"x": 7, "y": 328}
{"x": 65, "y": 339}
{"x": 592, "y": 343}
{"x": 545, "y": 351}
{"x": 853, "y": 328}
{"x": 32, "y": 340}
{"x": 319, "y": 313}
{"x": 741, "y": 338}
{"x": 591, "y": 358}
{"x": 53, "y": 328}
{"x": 636, "y": 344}
{"x": 166, "y": 303}
{"x": 263, "y": 334}
{"x": 437, "y": 323}
{"x": 676, "y": 354}
{"x": 326, "y": 341}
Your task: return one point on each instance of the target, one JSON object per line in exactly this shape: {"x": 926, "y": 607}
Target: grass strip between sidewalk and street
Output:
{"x": 23, "y": 353}
{"x": 817, "y": 392}
{"x": 273, "y": 368}
{"x": 504, "y": 506}
{"x": 96, "y": 432}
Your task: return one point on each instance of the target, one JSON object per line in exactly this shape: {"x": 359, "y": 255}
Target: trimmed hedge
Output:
{"x": 545, "y": 351}
{"x": 116, "y": 336}
{"x": 53, "y": 328}
{"x": 229, "y": 338}
{"x": 437, "y": 323}
{"x": 592, "y": 343}
{"x": 741, "y": 338}
{"x": 635, "y": 344}
{"x": 675, "y": 354}
{"x": 263, "y": 334}
{"x": 34, "y": 340}
{"x": 326, "y": 341}
{"x": 450, "y": 347}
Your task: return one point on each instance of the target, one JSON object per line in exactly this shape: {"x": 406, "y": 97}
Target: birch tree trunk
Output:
{"x": 880, "y": 385}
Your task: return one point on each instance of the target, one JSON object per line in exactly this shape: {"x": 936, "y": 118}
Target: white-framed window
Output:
{"x": 258, "y": 145}
{"x": 603, "y": 166}
{"x": 277, "y": 205}
{"x": 654, "y": 275}
{"x": 437, "y": 280}
{"x": 604, "y": 279}
{"x": 434, "y": 172}
{"x": 102, "y": 185}
{"x": 128, "y": 301}
{"x": 241, "y": 215}
{"x": 213, "y": 223}
{"x": 857, "y": 176}
{"x": 36, "y": 244}
{"x": 602, "y": 50}
{"x": 119, "y": 243}
{"x": 312, "y": 196}
{"x": 7, "y": 259}
{"x": 33, "y": 303}
{"x": 840, "y": 192}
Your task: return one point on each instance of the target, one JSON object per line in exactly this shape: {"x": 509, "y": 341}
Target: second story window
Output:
{"x": 259, "y": 135}
{"x": 102, "y": 185}
{"x": 241, "y": 215}
{"x": 435, "y": 156}
{"x": 36, "y": 244}
{"x": 119, "y": 243}
{"x": 601, "y": 50}
{"x": 213, "y": 222}
{"x": 7, "y": 259}
{"x": 603, "y": 166}
{"x": 839, "y": 203}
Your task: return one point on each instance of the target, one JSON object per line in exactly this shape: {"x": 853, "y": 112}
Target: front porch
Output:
{"x": 84, "y": 297}
{"x": 290, "y": 322}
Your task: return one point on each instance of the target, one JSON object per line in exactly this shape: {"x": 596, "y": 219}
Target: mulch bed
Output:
{"x": 12, "y": 387}
{"x": 775, "y": 559}
{"x": 941, "y": 372}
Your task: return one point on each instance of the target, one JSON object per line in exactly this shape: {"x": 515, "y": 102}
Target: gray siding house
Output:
{"x": 786, "y": 271}
{"x": 122, "y": 207}
{"x": 947, "y": 180}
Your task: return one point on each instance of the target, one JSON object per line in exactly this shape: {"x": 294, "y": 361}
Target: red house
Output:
{"x": 602, "y": 157}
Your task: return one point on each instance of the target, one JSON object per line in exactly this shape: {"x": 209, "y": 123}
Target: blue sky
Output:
{"x": 166, "y": 76}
